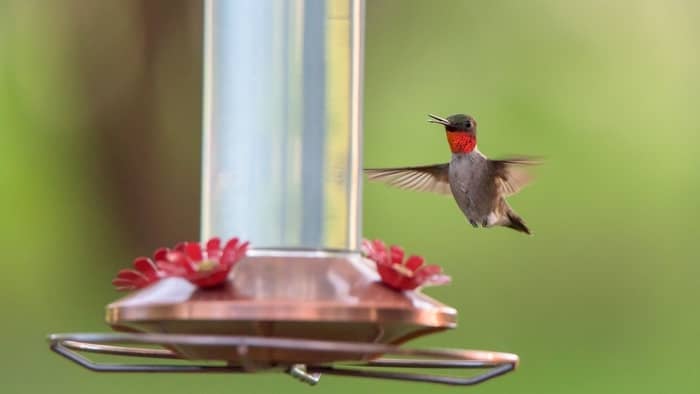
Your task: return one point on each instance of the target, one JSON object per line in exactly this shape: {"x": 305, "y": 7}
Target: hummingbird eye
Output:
{"x": 468, "y": 124}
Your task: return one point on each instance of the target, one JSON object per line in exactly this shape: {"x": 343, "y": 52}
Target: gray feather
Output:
{"x": 431, "y": 178}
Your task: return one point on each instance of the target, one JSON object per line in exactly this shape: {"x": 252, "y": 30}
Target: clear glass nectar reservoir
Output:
{"x": 282, "y": 122}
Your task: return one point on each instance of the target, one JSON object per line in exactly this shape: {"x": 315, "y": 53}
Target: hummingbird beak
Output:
{"x": 438, "y": 120}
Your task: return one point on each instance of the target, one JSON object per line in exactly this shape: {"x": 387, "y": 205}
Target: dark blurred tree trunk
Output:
{"x": 139, "y": 67}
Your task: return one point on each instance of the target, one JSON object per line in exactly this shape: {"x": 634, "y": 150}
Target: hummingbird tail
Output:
{"x": 516, "y": 223}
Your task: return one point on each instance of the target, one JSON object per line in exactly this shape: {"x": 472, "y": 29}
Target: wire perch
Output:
{"x": 496, "y": 364}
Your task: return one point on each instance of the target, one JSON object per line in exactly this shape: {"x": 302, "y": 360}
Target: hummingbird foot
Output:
{"x": 473, "y": 223}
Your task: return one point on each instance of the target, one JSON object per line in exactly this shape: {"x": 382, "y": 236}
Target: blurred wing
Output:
{"x": 431, "y": 178}
{"x": 513, "y": 174}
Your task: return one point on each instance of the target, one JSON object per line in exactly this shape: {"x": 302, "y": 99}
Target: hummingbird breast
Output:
{"x": 473, "y": 187}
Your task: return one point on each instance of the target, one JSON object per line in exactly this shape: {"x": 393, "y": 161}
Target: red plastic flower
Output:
{"x": 204, "y": 265}
{"x": 144, "y": 273}
{"x": 402, "y": 274}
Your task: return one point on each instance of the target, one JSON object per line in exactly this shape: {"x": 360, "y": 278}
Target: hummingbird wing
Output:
{"x": 513, "y": 174}
{"x": 432, "y": 178}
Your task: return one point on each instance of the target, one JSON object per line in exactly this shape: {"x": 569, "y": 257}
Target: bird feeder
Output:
{"x": 282, "y": 158}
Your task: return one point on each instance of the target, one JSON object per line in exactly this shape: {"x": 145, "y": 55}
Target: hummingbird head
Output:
{"x": 460, "y": 130}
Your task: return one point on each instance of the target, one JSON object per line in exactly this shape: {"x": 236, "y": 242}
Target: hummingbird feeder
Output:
{"x": 281, "y": 169}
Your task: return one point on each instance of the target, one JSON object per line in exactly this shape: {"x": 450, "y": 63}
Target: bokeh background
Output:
{"x": 100, "y": 153}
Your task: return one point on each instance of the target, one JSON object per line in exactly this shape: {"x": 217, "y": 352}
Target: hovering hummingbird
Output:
{"x": 478, "y": 184}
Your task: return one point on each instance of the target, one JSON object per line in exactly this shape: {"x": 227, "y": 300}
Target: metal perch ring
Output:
{"x": 496, "y": 364}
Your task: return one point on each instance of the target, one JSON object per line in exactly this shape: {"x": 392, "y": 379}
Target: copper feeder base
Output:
{"x": 283, "y": 294}
{"x": 304, "y": 313}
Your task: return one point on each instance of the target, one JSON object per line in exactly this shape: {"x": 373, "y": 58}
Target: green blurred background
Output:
{"x": 99, "y": 163}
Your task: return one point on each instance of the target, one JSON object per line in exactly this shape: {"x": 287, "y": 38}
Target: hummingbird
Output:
{"x": 478, "y": 184}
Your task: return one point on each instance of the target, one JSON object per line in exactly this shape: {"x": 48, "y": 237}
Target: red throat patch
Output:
{"x": 461, "y": 141}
